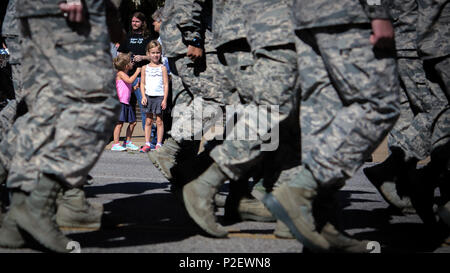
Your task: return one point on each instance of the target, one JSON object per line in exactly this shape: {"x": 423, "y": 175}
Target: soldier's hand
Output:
{"x": 194, "y": 53}
{"x": 72, "y": 10}
{"x": 383, "y": 34}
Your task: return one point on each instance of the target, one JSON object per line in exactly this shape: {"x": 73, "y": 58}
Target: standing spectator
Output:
{"x": 137, "y": 39}
{"x": 167, "y": 117}
{"x": 157, "y": 20}
{"x": 123, "y": 85}
{"x": 154, "y": 89}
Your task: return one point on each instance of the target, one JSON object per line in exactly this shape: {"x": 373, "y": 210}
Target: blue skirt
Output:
{"x": 126, "y": 113}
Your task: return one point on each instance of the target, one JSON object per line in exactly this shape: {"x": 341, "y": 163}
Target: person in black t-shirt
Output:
{"x": 137, "y": 39}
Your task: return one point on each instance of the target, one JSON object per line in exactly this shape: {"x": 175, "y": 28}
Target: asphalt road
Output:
{"x": 147, "y": 218}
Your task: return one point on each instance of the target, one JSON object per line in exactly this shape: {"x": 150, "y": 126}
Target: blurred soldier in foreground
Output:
{"x": 71, "y": 113}
{"x": 423, "y": 48}
{"x": 349, "y": 102}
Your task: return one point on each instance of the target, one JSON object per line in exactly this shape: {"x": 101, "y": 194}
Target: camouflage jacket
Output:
{"x": 433, "y": 28}
{"x": 185, "y": 22}
{"x": 404, "y": 17}
{"x": 34, "y": 8}
{"x": 262, "y": 23}
{"x": 268, "y": 23}
{"x": 228, "y": 21}
{"x": 324, "y": 13}
{"x": 10, "y": 26}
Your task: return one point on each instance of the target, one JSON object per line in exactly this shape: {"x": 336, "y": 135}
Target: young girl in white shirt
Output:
{"x": 155, "y": 90}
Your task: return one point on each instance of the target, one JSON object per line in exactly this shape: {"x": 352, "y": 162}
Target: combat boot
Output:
{"x": 339, "y": 242}
{"x": 444, "y": 213}
{"x": 282, "y": 231}
{"x": 36, "y": 215}
{"x": 253, "y": 209}
{"x": 292, "y": 203}
{"x": 258, "y": 190}
{"x": 74, "y": 211}
{"x": 389, "y": 178}
{"x": 198, "y": 197}
{"x": 165, "y": 158}
{"x": 220, "y": 200}
{"x": 10, "y": 236}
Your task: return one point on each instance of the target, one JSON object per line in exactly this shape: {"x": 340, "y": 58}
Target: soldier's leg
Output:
{"x": 235, "y": 158}
{"x": 441, "y": 67}
{"x": 345, "y": 114}
{"x": 68, "y": 134}
{"x": 179, "y": 144}
{"x": 272, "y": 97}
{"x": 409, "y": 140}
{"x": 366, "y": 101}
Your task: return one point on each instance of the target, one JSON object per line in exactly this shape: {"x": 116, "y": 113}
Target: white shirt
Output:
{"x": 154, "y": 84}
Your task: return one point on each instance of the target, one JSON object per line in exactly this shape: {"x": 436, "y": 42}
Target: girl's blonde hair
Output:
{"x": 121, "y": 61}
{"x": 153, "y": 44}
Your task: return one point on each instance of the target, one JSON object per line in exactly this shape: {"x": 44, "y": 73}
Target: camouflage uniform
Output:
{"x": 349, "y": 98}
{"x": 262, "y": 68}
{"x": 433, "y": 36}
{"x": 195, "y": 85}
{"x": 423, "y": 104}
{"x": 72, "y": 111}
{"x": 10, "y": 30}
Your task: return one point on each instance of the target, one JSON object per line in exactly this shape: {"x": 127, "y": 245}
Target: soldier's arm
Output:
{"x": 191, "y": 27}
{"x": 383, "y": 31}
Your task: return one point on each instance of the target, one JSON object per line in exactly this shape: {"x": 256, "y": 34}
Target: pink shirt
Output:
{"x": 123, "y": 91}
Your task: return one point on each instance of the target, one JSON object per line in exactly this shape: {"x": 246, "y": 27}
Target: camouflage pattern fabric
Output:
{"x": 10, "y": 30}
{"x": 404, "y": 17}
{"x": 323, "y": 13}
{"x": 422, "y": 105}
{"x": 74, "y": 103}
{"x": 267, "y": 79}
{"x": 7, "y": 117}
{"x": 442, "y": 70}
{"x": 196, "y": 85}
{"x": 177, "y": 27}
{"x": 349, "y": 99}
{"x": 228, "y": 19}
{"x": 433, "y": 31}
{"x": 433, "y": 37}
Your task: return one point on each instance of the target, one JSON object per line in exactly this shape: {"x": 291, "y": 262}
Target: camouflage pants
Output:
{"x": 9, "y": 113}
{"x": 70, "y": 90}
{"x": 197, "y": 88}
{"x": 268, "y": 81}
{"x": 349, "y": 99}
{"x": 442, "y": 69}
{"x": 424, "y": 120}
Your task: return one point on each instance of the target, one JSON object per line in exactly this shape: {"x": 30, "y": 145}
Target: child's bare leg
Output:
{"x": 159, "y": 128}
{"x": 148, "y": 127}
{"x": 117, "y": 130}
{"x": 130, "y": 130}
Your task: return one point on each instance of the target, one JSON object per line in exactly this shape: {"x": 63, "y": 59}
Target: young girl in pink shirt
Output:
{"x": 123, "y": 64}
